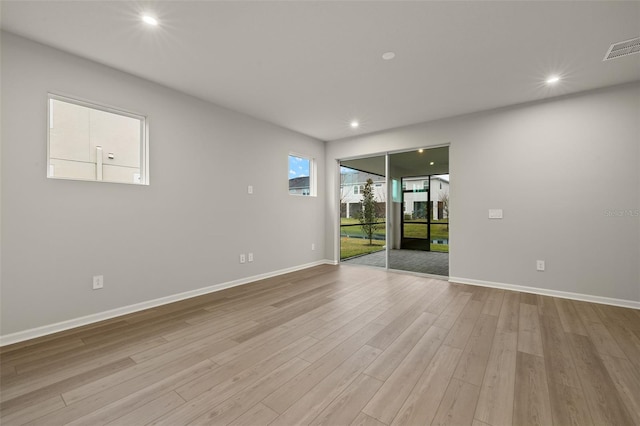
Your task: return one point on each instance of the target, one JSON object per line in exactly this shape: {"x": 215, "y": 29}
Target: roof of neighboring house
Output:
{"x": 359, "y": 178}
{"x": 299, "y": 182}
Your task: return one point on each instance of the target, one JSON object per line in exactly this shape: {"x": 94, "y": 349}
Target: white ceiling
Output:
{"x": 314, "y": 66}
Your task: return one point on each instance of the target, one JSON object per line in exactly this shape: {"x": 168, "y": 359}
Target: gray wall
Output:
{"x": 183, "y": 232}
{"x": 555, "y": 167}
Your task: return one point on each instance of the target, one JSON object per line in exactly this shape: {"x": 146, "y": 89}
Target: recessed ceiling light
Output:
{"x": 431, "y": 163}
{"x": 421, "y": 151}
{"x": 354, "y": 124}
{"x": 387, "y": 56}
{"x": 149, "y": 20}
{"x": 553, "y": 79}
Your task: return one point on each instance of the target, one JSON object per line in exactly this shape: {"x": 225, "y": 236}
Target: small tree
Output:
{"x": 368, "y": 217}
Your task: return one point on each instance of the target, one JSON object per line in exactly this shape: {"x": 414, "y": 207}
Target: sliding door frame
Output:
{"x": 389, "y": 194}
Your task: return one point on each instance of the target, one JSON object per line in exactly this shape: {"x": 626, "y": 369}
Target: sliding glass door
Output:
{"x": 394, "y": 211}
{"x": 363, "y": 205}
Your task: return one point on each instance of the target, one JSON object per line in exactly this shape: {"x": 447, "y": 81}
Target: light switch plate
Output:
{"x": 495, "y": 213}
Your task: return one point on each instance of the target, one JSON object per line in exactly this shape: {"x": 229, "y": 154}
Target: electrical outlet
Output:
{"x": 243, "y": 258}
{"x": 540, "y": 265}
{"x": 250, "y": 257}
{"x": 250, "y": 189}
{"x": 313, "y": 246}
{"x": 98, "y": 282}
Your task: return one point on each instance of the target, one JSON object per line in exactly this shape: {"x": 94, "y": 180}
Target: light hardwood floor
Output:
{"x": 336, "y": 345}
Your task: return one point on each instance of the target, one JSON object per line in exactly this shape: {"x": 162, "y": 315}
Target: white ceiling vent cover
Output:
{"x": 623, "y": 48}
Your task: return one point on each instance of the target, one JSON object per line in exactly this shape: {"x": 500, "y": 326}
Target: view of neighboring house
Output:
{"x": 415, "y": 202}
{"x": 415, "y": 190}
{"x": 351, "y": 189}
{"x": 299, "y": 186}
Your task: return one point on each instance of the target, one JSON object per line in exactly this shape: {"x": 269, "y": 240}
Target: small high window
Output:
{"x": 96, "y": 143}
{"x": 302, "y": 175}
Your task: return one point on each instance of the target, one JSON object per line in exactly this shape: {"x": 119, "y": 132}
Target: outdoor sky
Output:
{"x": 298, "y": 167}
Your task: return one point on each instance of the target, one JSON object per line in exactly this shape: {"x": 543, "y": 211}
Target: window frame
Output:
{"x": 312, "y": 174}
{"x": 144, "y": 135}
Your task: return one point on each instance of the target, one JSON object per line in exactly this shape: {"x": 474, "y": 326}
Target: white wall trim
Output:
{"x": 546, "y": 292}
{"x": 33, "y": 333}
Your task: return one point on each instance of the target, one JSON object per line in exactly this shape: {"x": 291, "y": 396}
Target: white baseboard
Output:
{"x": 101, "y": 316}
{"x": 546, "y": 292}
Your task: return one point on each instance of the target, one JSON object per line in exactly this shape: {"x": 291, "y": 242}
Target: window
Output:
{"x": 96, "y": 143}
{"x": 420, "y": 209}
{"x": 358, "y": 189}
{"x": 302, "y": 175}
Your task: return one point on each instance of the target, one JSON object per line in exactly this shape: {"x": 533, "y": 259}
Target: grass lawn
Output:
{"x": 415, "y": 229}
{"x": 443, "y": 248}
{"x": 418, "y": 229}
{"x": 350, "y": 247}
{"x": 354, "y": 245}
{"x": 356, "y": 231}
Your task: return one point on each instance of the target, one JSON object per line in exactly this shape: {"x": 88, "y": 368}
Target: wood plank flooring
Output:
{"x": 336, "y": 345}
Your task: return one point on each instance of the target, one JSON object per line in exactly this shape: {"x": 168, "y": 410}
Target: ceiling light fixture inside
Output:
{"x": 431, "y": 163}
{"x": 553, "y": 79}
{"x": 149, "y": 20}
{"x": 421, "y": 151}
{"x": 354, "y": 124}
{"x": 387, "y": 56}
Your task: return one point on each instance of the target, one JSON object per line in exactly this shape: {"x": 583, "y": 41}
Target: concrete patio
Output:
{"x": 425, "y": 262}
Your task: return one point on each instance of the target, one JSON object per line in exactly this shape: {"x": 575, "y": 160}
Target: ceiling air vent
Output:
{"x": 623, "y": 48}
